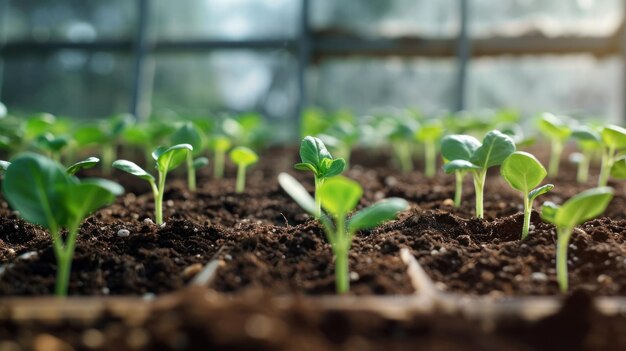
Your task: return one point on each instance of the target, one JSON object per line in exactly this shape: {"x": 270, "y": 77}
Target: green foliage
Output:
{"x": 45, "y": 194}
{"x": 589, "y": 142}
{"x": 558, "y": 130}
{"x": 340, "y": 196}
{"x": 429, "y": 134}
{"x": 577, "y": 210}
{"x": 84, "y": 164}
{"x": 613, "y": 141}
{"x": 242, "y": 157}
{"x": 220, "y": 145}
{"x": 524, "y": 173}
{"x": 190, "y": 134}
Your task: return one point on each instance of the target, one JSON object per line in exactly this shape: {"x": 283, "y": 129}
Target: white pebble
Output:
{"x": 106, "y": 291}
{"x": 162, "y": 225}
{"x": 28, "y": 255}
{"x": 539, "y": 277}
{"x": 148, "y": 221}
{"x": 169, "y": 203}
{"x": 228, "y": 257}
{"x": 123, "y": 233}
{"x": 434, "y": 252}
{"x": 354, "y": 276}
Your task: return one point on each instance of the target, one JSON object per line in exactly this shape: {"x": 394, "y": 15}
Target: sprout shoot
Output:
{"x": 190, "y": 134}
{"x": 242, "y": 157}
{"x": 613, "y": 140}
{"x": 557, "y": 130}
{"x": 429, "y": 134}
{"x": 220, "y": 144}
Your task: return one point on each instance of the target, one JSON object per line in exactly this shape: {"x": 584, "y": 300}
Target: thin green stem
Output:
{"x": 479, "y": 186}
{"x": 555, "y": 158}
{"x": 158, "y": 198}
{"x": 403, "y": 153}
{"x": 191, "y": 173}
{"x": 528, "y": 207}
{"x": 340, "y": 249}
{"x": 108, "y": 155}
{"x": 218, "y": 168}
{"x": 563, "y": 236}
{"x": 318, "y": 202}
{"x": 241, "y": 179}
{"x": 583, "y": 167}
{"x": 430, "y": 159}
{"x": 605, "y": 168}
{"x": 458, "y": 193}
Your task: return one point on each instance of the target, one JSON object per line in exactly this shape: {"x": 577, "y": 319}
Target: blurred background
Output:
{"x": 92, "y": 59}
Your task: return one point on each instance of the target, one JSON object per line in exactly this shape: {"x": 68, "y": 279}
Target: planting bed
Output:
{"x": 271, "y": 258}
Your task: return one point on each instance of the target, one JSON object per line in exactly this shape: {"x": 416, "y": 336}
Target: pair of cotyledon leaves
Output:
{"x": 316, "y": 158}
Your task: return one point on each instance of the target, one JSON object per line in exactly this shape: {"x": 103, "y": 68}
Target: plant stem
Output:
{"x": 318, "y": 202}
{"x": 241, "y": 179}
{"x": 479, "y": 186}
{"x": 555, "y": 158}
{"x": 108, "y": 155}
{"x": 340, "y": 249}
{"x": 563, "y": 235}
{"x": 458, "y": 193}
{"x": 605, "y": 168}
{"x": 64, "y": 255}
{"x": 191, "y": 173}
{"x": 218, "y": 169}
{"x": 528, "y": 207}
{"x": 403, "y": 153}
{"x": 430, "y": 159}
{"x": 158, "y": 198}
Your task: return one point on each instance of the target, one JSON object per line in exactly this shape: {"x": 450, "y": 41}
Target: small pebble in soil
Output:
{"x": 434, "y": 253}
{"x": 134, "y": 216}
{"x": 163, "y": 225}
{"x": 169, "y": 203}
{"x": 354, "y": 276}
{"x": 10, "y": 251}
{"x": 123, "y": 233}
{"x": 604, "y": 279}
{"x": 148, "y": 296}
{"x": 28, "y": 255}
{"x": 106, "y": 291}
{"x": 192, "y": 270}
{"x": 443, "y": 250}
{"x": 92, "y": 338}
{"x": 539, "y": 277}
{"x": 148, "y": 221}
{"x": 531, "y": 227}
{"x": 448, "y": 202}
{"x": 228, "y": 257}
{"x": 487, "y": 276}
{"x": 391, "y": 181}
{"x": 16, "y": 227}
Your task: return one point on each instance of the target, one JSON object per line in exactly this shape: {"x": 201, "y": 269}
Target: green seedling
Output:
{"x": 166, "y": 160}
{"x": 89, "y": 162}
{"x": 613, "y": 141}
{"x": 524, "y": 172}
{"x": 192, "y": 135}
{"x": 340, "y": 196}
{"x": 575, "y": 211}
{"x": 558, "y": 131}
{"x": 220, "y": 145}
{"x": 589, "y": 142}
{"x": 341, "y": 137}
{"x": 53, "y": 145}
{"x": 242, "y": 157}
{"x": 429, "y": 134}
{"x": 466, "y": 154}
{"x": 401, "y": 137}
{"x": 148, "y": 135}
{"x": 316, "y": 158}
{"x": 247, "y": 129}
{"x": 45, "y": 194}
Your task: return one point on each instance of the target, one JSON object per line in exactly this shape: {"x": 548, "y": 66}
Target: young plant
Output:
{"x": 429, "y": 134}
{"x": 242, "y": 157}
{"x": 575, "y": 211}
{"x": 589, "y": 142}
{"x": 166, "y": 160}
{"x": 45, "y": 194}
{"x": 53, "y": 145}
{"x": 613, "y": 141}
{"x": 89, "y": 162}
{"x": 341, "y": 137}
{"x": 220, "y": 145}
{"x": 558, "y": 131}
{"x": 401, "y": 137}
{"x": 316, "y": 158}
{"x": 524, "y": 172}
{"x": 339, "y": 196}
{"x": 192, "y": 135}
{"x": 466, "y": 154}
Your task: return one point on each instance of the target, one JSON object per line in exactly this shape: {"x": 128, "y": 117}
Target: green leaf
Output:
{"x": 340, "y": 195}
{"x": 459, "y": 165}
{"x": 84, "y": 164}
{"x": 297, "y": 192}
{"x": 548, "y": 211}
{"x": 495, "y": 149}
{"x": 583, "y": 207}
{"x": 305, "y": 167}
{"x": 137, "y": 135}
{"x": 132, "y": 168}
{"x": 459, "y": 147}
{"x": 313, "y": 151}
{"x": 220, "y": 143}
{"x": 90, "y": 195}
{"x": 52, "y": 143}
{"x": 200, "y": 162}
{"x": 614, "y": 136}
{"x": 242, "y": 155}
{"x": 188, "y": 133}
{"x": 119, "y": 123}
{"x": 430, "y": 132}
{"x": 376, "y": 214}
{"x": 171, "y": 157}
{"x": 554, "y": 127}
{"x": 585, "y": 133}
{"x": 539, "y": 191}
{"x": 337, "y": 166}
{"x": 89, "y": 135}
{"x": 37, "y": 187}
{"x": 618, "y": 171}
{"x": 523, "y": 171}
{"x": 37, "y": 125}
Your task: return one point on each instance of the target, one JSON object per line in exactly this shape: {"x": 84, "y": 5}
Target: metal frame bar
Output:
{"x": 463, "y": 55}
{"x": 141, "y": 51}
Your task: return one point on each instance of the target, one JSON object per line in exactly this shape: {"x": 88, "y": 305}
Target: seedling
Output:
{"x": 220, "y": 145}
{"x": 166, "y": 160}
{"x": 558, "y": 131}
{"x": 575, "y": 211}
{"x": 401, "y": 137}
{"x": 192, "y": 135}
{"x": 242, "y": 157}
{"x": 524, "y": 172}
{"x": 613, "y": 140}
{"x": 316, "y": 158}
{"x": 466, "y": 154}
{"x": 53, "y": 145}
{"x": 45, "y": 194}
{"x": 339, "y": 196}
{"x": 589, "y": 141}
{"x": 84, "y": 164}
{"x": 341, "y": 137}
{"x": 429, "y": 134}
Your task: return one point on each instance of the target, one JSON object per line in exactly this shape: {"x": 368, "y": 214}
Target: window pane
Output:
{"x": 573, "y": 84}
{"x": 387, "y": 18}
{"x": 227, "y": 80}
{"x": 70, "y": 83}
{"x": 72, "y": 20}
{"x": 364, "y": 84}
{"x": 233, "y": 19}
{"x": 554, "y": 17}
